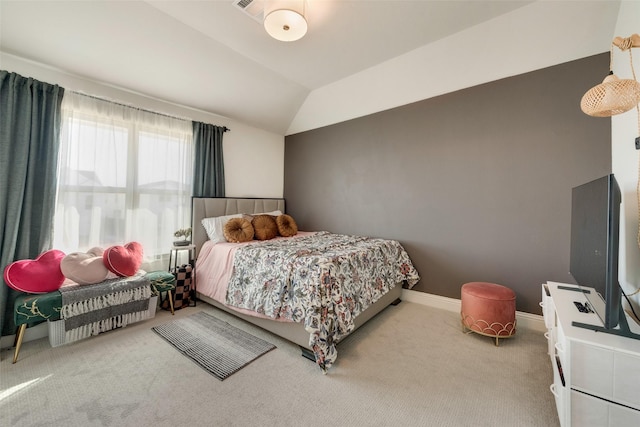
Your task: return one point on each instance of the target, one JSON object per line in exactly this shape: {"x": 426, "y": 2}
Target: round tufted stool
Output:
{"x": 488, "y": 309}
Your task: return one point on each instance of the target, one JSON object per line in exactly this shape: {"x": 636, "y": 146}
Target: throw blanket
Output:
{"x": 91, "y": 309}
{"x": 324, "y": 280}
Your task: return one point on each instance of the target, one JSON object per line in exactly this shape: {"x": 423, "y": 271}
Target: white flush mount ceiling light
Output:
{"x": 285, "y": 20}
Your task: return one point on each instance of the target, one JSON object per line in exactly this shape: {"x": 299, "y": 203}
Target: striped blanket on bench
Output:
{"x": 91, "y": 309}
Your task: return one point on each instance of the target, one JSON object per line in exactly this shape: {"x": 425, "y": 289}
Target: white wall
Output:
{"x": 626, "y": 158}
{"x": 474, "y": 56}
{"x": 253, "y": 158}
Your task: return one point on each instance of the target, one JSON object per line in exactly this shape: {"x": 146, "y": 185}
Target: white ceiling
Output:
{"x": 209, "y": 55}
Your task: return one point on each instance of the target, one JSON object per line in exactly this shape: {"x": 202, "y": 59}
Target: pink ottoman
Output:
{"x": 488, "y": 309}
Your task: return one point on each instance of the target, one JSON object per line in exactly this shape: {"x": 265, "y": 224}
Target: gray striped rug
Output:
{"x": 220, "y": 348}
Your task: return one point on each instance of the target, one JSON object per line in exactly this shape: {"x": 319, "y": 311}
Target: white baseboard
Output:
{"x": 30, "y": 334}
{"x": 525, "y": 320}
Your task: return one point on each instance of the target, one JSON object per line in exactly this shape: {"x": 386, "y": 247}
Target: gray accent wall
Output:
{"x": 475, "y": 184}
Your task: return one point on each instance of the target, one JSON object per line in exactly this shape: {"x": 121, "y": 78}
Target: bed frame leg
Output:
{"x": 308, "y": 354}
{"x": 396, "y": 302}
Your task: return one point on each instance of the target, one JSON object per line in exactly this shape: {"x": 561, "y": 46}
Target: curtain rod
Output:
{"x": 224, "y": 128}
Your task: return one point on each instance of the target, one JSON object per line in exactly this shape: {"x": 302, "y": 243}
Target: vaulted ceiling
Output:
{"x": 212, "y": 56}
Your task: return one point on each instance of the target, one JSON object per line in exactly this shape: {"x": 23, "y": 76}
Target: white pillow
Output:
{"x": 215, "y": 227}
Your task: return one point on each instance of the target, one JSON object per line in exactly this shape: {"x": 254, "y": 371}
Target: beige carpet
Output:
{"x": 409, "y": 366}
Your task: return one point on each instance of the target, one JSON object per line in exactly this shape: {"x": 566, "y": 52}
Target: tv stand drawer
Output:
{"x": 601, "y": 384}
{"x": 589, "y": 411}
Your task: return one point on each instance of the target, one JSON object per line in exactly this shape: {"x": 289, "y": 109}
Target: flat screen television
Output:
{"x": 595, "y": 228}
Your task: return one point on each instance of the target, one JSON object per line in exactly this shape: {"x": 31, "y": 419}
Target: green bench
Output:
{"x": 32, "y": 309}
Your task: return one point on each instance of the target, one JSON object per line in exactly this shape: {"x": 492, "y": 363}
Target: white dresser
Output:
{"x": 596, "y": 374}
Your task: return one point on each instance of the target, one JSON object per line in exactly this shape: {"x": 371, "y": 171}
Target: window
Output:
{"x": 124, "y": 175}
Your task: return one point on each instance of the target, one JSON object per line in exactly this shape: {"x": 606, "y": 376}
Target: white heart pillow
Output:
{"x": 85, "y": 268}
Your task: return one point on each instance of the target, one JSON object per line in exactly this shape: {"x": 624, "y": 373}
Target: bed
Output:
{"x": 320, "y": 302}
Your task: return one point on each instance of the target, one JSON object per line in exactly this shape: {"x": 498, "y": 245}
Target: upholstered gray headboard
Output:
{"x": 208, "y": 207}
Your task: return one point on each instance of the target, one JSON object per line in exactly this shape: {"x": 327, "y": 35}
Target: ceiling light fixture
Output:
{"x": 285, "y": 20}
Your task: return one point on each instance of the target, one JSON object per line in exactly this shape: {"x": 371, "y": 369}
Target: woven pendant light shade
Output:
{"x": 612, "y": 96}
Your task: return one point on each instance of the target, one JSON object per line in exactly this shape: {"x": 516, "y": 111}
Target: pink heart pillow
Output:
{"x": 37, "y": 276}
{"x": 85, "y": 268}
{"x": 123, "y": 260}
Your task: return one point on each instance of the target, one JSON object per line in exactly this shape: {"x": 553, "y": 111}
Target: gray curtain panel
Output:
{"x": 208, "y": 167}
{"x": 29, "y": 143}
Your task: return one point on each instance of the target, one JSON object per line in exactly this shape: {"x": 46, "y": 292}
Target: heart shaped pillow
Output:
{"x": 85, "y": 268}
{"x": 123, "y": 260}
{"x": 37, "y": 276}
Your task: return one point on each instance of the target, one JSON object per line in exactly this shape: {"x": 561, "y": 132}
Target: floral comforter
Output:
{"x": 324, "y": 280}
